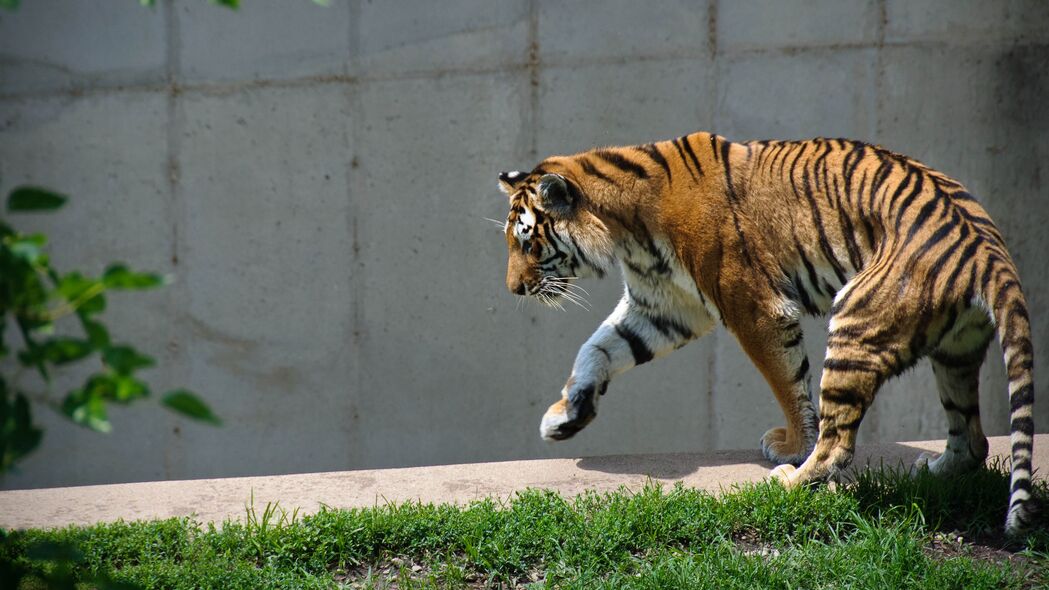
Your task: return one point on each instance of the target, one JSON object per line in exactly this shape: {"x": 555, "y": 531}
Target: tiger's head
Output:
{"x": 553, "y": 236}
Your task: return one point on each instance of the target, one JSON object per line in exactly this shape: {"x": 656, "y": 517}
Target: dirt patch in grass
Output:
{"x": 400, "y": 573}
{"x": 988, "y": 548}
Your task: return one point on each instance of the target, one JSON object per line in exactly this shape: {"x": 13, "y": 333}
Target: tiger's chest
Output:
{"x": 657, "y": 282}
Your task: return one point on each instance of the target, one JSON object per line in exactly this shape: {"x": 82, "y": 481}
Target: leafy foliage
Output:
{"x": 34, "y": 296}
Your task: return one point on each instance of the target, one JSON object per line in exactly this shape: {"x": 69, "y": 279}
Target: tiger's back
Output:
{"x": 906, "y": 263}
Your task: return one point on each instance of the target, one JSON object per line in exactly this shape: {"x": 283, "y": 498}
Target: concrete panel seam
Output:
{"x": 219, "y": 88}
{"x": 533, "y": 77}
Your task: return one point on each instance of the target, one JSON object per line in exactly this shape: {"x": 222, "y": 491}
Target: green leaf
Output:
{"x": 87, "y": 410}
{"x": 118, "y": 276}
{"x": 128, "y": 388}
{"x": 125, "y": 359}
{"x": 57, "y": 351}
{"x": 31, "y": 198}
{"x": 189, "y": 404}
{"x": 18, "y": 436}
{"x": 231, "y": 4}
{"x": 97, "y": 334}
{"x": 28, "y": 248}
{"x": 9, "y": 4}
{"x": 83, "y": 293}
{"x": 74, "y": 285}
{"x": 93, "y": 306}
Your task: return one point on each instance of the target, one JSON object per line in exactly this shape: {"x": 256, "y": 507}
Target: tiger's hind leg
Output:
{"x": 866, "y": 345}
{"x": 956, "y": 364}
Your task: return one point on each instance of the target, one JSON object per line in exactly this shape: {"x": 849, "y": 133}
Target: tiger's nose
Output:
{"x": 516, "y": 286}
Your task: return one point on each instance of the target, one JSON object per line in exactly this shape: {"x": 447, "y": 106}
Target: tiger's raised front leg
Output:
{"x": 633, "y": 334}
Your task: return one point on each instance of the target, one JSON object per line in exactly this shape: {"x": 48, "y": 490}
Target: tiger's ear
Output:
{"x": 557, "y": 196}
{"x": 508, "y": 181}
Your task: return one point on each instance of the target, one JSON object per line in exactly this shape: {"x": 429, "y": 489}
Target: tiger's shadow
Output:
{"x": 673, "y": 465}
{"x": 742, "y": 465}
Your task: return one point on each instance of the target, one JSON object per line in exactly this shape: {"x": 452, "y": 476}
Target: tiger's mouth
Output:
{"x": 553, "y": 290}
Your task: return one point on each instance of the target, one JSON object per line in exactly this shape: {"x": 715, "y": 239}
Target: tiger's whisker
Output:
{"x": 500, "y": 224}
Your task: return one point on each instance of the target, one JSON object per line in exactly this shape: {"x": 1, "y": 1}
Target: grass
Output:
{"x": 885, "y": 530}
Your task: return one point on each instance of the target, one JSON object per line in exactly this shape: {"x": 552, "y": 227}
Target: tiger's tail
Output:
{"x": 1008, "y": 309}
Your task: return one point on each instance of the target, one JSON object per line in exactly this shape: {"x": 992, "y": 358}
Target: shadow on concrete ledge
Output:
{"x": 672, "y": 465}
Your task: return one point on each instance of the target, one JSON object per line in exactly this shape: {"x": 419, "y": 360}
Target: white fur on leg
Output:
{"x": 551, "y": 423}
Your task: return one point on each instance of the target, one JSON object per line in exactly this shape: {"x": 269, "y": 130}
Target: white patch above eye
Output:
{"x": 514, "y": 175}
{"x": 525, "y": 224}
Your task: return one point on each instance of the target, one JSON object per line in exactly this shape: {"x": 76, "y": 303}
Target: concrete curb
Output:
{"x": 216, "y": 500}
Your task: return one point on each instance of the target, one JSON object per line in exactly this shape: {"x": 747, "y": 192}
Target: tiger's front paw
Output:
{"x": 568, "y": 416}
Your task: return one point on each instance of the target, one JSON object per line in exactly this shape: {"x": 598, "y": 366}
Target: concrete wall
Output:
{"x": 317, "y": 180}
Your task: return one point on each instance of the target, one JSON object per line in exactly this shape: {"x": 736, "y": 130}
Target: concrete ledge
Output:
{"x": 215, "y": 500}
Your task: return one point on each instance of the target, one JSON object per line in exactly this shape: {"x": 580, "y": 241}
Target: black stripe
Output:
{"x": 850, "y": 366}
{"x": 604, "y": 351}
{"x": 592, "y": 170}
{"x": 845, "y": 397}
{"x": 793, "y": 166}
{"x": 934, "y": 240}
{"x": 855, "y": 259}
{"x": 903, "y": 186}
{"x": 1023, "y": 521}
{"x": 668, "y": 327}
{"x": 921, "y": 218}
{"x": 965, "y": 260}
{"x": 852, "y": 161}
{"x": 768, "y": 154}
{"x": 585, "y": 259}
{"x": 728, "y": 172}
{"x": 819, "y": 171}
{"x": 1023, "y": 446}
{"x": 919, "y": 187}
{"x": 642, "y": 354}
{"x": 684, "y": 161}
{"x": 850, "y": 425}
{"x": 1022, "y": 484}
{"x": 692, "y": 154}
{"x": 880, "y": 176}
{"x": 1022, "y": 425}
{"x": 806, "y": 300}
{"x": 802, "y": 371}
{"x": 714, "y": 145}
{"x": 621, "y": 162}
{"x": 1023, "y": 398}
{"x": 781, "y": 156}
{"x": 657, "y": 157}
{"x": 817, "y": 219}
{"x": 813, "y": 277}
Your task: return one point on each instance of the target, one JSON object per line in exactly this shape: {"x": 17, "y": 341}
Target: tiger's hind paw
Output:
{"x": 775, "y": 448}
{"x": 783, "y": 473}
{"x": 923, "y": 461}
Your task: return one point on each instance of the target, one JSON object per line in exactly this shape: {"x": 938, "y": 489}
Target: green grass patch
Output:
{"x": 885, "y": 530}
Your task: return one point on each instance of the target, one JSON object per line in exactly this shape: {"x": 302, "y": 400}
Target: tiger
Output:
{"x": 756, "y": 234}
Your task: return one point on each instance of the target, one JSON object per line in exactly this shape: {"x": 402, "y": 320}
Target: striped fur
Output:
{"x": 906, "y": 263}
